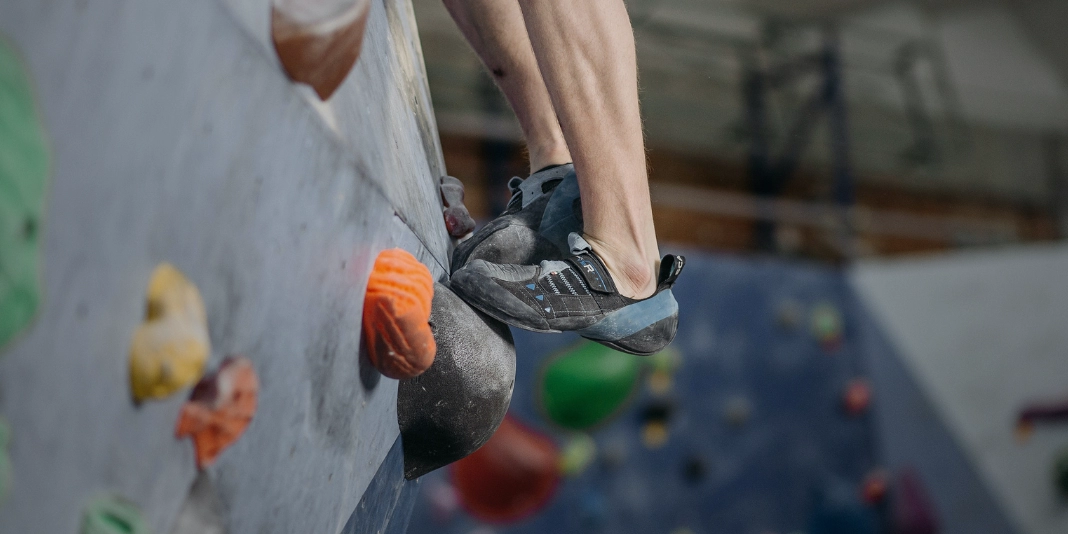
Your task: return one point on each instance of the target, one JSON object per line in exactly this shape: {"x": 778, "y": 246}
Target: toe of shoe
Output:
{"x": 474, "y": 284}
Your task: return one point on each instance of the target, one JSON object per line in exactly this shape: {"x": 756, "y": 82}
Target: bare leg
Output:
{"x": 496, "y": 31}
{"x": 574, "y": 67}
{"x": 585, "y": 51}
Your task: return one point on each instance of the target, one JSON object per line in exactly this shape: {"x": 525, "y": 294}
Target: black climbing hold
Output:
{"x": 694, "y": 470}
{"x": 452, "y": 191}
{"x": 658, "y": 411}
{"x": 455, "y": 406}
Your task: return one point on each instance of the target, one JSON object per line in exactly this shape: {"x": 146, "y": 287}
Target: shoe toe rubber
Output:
{"x": 475, "y": 285}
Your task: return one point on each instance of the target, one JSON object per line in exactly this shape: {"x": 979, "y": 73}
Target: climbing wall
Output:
{"x": 765, "y": 415}
{"x": 173, "y": 133}
{"x": 998, "y": 351}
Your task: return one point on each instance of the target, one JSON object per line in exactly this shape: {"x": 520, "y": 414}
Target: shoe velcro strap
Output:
{"x": 593, "y": 272}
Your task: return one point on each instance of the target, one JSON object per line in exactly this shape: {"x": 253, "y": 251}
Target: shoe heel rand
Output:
{"x": 633, "y": 318}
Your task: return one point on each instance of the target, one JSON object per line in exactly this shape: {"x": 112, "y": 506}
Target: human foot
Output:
{"x": 577, "y": 294}
{"x": 543, "y": 210}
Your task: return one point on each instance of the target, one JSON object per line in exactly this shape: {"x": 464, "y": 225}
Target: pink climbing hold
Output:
{"x": 219, "y": 409}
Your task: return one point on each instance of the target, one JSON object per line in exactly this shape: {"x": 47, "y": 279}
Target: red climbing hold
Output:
{"x": 874, "y": 488}
{"x": 396, "y": 315}
{"x": 511, "y": 477}
{"x": 857, "y": 396}
{"x": 219, "y": 409}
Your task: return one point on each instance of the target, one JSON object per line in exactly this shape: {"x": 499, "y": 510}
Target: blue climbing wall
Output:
{"x": 746, "y": 337}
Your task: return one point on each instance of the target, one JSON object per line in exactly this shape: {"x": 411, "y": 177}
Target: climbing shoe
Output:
{"x": 543, "y": 210}
{"x": 574, "y": 294}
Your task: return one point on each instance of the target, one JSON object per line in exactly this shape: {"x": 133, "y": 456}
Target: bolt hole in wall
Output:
{"x": 790, "y": 148}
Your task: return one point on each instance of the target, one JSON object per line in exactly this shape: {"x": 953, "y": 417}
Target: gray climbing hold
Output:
{"x": 458, "y": 220}
{"x": 455, "y": 406}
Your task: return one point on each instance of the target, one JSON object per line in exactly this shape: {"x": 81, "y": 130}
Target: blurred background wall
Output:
{"x": 954, "y": 116}
{"x": 899, "y": 165}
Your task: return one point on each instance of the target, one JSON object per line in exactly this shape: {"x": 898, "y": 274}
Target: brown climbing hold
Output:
{"x": 396, "y": 314}
{"x": 319, "y": 41}
{"x": 169, "y": 350}
{"x": 219, "y": 409}
{"x": 458, "y": 220}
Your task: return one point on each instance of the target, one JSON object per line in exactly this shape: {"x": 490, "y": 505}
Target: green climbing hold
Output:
{"x": 5, "y": 460}
{"x": 23, "y": 180}
{"x": 587, "y": 384}
{"x": 112, "y": 515}
{"x": 578, "y": 453}
{"x": 1060, "y": 472}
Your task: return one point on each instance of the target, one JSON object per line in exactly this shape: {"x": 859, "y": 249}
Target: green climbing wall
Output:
{"x": 23, "y": 180}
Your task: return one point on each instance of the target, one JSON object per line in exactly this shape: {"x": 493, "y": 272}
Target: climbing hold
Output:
{"x": 219, "y": 409}
{"x": 578, "y": 453}
{"x": 737, "y": 410}
{"x": 511, "y": 477}
{"x": 396, "y": 314}
{"x": 857, "y": 396}
{"x": 913, "y": 511}
{"x": 874, "y": 487}
{"x": 663, "y": 365}
{"x": 24, "y": 172}
{"x": 112, "y": 515}
{"x": 1060, "y": 472}
{"x": 694, "y": 469}
{"x": 1044, "y": 412}
{"x": 455, "y": 406}
{"x": 5, "y": 460}
{"x": 827, "y": 326}
{"x": 457, "y": 219}
{"x": 318, "y": 42}
{"x": 452, "y": 191}
{"x": 587, "y": 384}
{"x": 169, "y": 349}
{"x": 654, "y": 420}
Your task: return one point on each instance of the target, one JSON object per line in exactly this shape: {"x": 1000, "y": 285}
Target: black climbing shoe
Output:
{"x": 574, "y": 294}
{"x": 544, "y": 209}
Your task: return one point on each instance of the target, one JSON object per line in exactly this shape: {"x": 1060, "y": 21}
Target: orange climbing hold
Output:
{"x": 396, "y": 315}
{"x": 219, "y": 409}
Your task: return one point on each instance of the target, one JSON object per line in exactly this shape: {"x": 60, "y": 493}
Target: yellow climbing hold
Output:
{"x": 169, "y": 350}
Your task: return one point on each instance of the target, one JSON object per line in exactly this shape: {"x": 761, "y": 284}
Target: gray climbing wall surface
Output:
{"x": 999, "y": 345}
{"x": 177, "y": 137}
